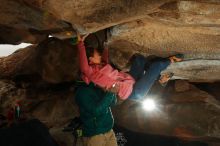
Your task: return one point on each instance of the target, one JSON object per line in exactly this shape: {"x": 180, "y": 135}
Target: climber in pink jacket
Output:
{"x": 95, "y": 68}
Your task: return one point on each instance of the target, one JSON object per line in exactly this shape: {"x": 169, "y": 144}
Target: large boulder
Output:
{"x": 21, "y": 22}
{"x": 190, "y": 114}
{"x": 53, "y": 61}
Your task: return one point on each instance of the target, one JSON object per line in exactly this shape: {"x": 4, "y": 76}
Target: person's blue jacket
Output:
{"x": 95, "y": 112}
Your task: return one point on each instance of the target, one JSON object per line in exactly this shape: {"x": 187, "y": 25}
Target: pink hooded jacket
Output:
{"x": 104, "y": 75}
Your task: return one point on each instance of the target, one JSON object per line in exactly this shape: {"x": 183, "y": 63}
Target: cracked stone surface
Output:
{"x": 42, "y": 76}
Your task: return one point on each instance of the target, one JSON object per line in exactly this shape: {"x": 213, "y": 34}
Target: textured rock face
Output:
{"x": 45, "y": 103}
{"x": 94, "y": 15}
{"x": 196, "y": 70}
{"x": 53, "y": 105}
{"x": 187, "y": 114}
{"x": 53, "y": 61}
{"x": 152, "y": 36}
{"x": 90, "y": 16}
{"x": 41, "y": 76}
{"x": 20, "y": 22}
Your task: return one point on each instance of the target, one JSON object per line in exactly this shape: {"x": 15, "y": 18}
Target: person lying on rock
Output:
{"x": 95, "y": 67}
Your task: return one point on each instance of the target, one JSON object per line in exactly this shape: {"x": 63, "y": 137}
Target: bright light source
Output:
{"x": 149, "y": 104}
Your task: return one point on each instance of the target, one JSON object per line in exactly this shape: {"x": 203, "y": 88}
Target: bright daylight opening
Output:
{"x": 149, "y": 104}
{"x": 6, "y": 50}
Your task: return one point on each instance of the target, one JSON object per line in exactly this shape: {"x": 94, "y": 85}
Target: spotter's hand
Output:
{"x": 114, "y": 88}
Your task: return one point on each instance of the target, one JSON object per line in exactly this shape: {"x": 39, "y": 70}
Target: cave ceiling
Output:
{"x": 161, "y": 28}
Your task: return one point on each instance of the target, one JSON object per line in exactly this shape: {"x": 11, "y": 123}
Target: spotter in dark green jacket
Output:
{"x": 95, "y": 112}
